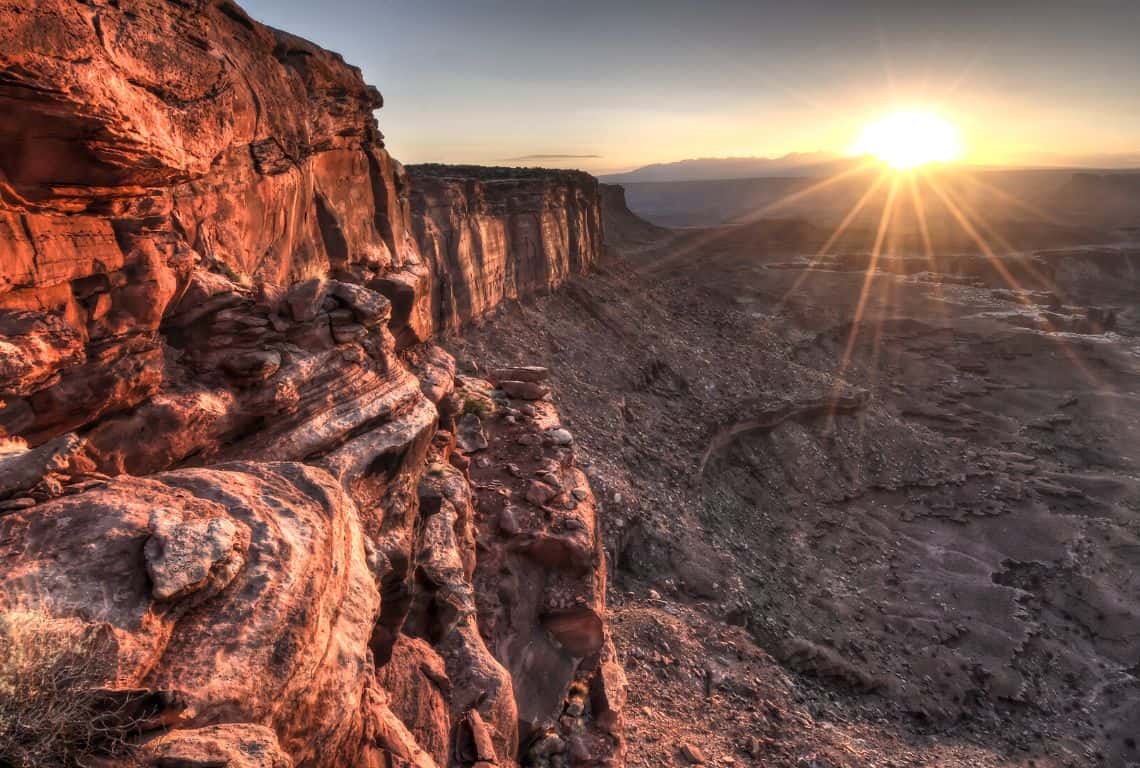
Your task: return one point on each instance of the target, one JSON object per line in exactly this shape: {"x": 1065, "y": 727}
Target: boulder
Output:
{"x": 560, "y": 436}
{"x": 531, "y": 373}
{"x": 369, "y": 307}
{"x": 470, "y": 437}
{"x": 22, "y": 469}
{"x": 539, "y": 493}
{"x": 524, "y": 390}
{"x": 233, "y": 745}
{"x": 181, "y": 556}
{"x": 305, "y": 299}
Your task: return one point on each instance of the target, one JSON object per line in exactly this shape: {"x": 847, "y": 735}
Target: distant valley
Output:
{"x": 1029, "y": 208}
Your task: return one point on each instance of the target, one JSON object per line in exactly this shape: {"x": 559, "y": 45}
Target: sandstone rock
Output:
{"x": 416, "y": 682}
{"x": 285, "y": 646}
{"x": 608, "y": 693}
{"x": 22, "y": 469}
{"x": 206, "y": 196}
{"x": 546, "y": 747}
{"x": 21, "y": 502}
{"x": 579, "y": 630}
{"x": 539, "y": 493}
{"x": 692, "y": 753}
{"x": 531, "y": 373}
{"x": 560, "y": 436}
{"x": 369, "y": 307}
{"x": 34, "y": 347}
{"x": 182, "y": 556}
{"x": 508, "y": 521}
{"x": 348, "y": 334}
{"x": 494, "y": 234}
{"x": 470, "y": 435}
{"x": 524, "y": 390}
{"x": 475, "y": 745}
{"x": 410, "y": 290}
{"x": 435, "y": 369}
{"x": 230, "y": 745}
{"x": 256, "y": 364}
{"x": 305, "y": 299}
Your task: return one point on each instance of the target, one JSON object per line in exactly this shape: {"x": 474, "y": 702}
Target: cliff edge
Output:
{"x": 244, "y": 502}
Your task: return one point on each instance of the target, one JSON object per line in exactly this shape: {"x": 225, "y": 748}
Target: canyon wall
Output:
{"x": 232, "y": 472}
{"x": 492, "y": 234}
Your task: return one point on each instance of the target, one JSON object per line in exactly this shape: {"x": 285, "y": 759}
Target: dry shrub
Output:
{"x": 311, "y": 268}
{"x": 54, "y": 707}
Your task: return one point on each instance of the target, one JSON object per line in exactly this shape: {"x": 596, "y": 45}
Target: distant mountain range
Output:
{"x": 797, "y": 165}
{"x": 1106, "y": 200}
{"x": 819, "y": 164}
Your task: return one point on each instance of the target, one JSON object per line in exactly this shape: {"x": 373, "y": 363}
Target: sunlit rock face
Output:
{"x": 211, "y": 446}
{"x": 501, "y": 233}
{"x": 162, "y": 159}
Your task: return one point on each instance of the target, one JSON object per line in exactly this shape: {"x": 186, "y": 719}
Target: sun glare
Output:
{"x": 911, "y": 138}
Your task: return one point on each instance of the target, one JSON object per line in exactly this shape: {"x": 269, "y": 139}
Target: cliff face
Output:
{"x": 212, "y": 453}
{"x": 491, "y": 234}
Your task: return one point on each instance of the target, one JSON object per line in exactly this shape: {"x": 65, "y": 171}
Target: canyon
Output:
{"x": 249, "y": 513}
{"x": 308, "y": 458}
{"x": 904, "y": 540}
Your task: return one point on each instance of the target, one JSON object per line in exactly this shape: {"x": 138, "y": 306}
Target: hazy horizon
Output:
{"x": 609, "y": 89}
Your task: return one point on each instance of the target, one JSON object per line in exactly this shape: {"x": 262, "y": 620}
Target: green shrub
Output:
{"x": 480, "y": 406}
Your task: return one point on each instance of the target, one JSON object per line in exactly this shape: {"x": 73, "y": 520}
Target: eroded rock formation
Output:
{"x": 216, "y": 409}
{"x": 492, "y": 234}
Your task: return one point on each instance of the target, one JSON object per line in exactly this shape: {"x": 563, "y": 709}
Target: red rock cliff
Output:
{"x": 491, "y": 234}
{"x": 211, "y": 453}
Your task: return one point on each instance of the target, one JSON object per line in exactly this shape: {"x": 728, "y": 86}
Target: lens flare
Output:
{"x": 910, "y": 138}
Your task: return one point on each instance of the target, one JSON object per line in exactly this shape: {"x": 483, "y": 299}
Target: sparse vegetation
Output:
{"x": 307, "y": 270}
{"x": 234, "y": 274}
{"x": 480, "y": 406}
{"x": 54, "y": 707}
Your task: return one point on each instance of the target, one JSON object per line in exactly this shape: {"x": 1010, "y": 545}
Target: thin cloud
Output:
{"x": 551, "y": 157}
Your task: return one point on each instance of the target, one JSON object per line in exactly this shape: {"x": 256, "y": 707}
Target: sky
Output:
{"x": 611, "y": 85}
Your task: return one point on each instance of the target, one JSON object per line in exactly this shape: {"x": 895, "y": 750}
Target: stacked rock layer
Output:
{"x": 233, "y": 469}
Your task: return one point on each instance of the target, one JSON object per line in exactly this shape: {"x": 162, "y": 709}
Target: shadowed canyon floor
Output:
{"x": 928, "y": 557}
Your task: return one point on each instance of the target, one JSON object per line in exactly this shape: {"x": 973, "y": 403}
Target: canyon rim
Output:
{"x": 313, "y": 459}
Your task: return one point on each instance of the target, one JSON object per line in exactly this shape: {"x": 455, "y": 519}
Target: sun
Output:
{"x": 910, "y": 138}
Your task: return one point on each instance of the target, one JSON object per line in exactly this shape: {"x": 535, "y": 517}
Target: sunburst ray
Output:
{"x": 1019, "y": 294}
{"x": 832, "y": 239}
{"x": 864, "y": 292}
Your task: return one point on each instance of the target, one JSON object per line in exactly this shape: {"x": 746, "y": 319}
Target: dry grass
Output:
{"x": 307, "y": 270}
{"x": 235, "y": 274}
{"x": 54, "y": 707}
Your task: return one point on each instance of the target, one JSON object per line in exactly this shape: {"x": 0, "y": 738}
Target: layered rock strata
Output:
{"x": 215, "y": 418}
{"x": 492, "y": 234}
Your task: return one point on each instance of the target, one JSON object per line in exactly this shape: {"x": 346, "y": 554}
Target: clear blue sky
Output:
{"x": 635, "y": 82}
